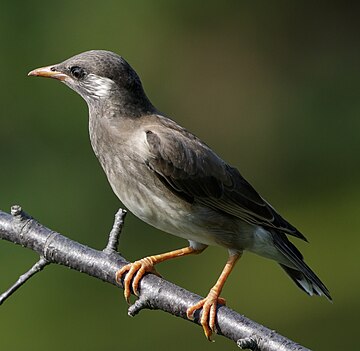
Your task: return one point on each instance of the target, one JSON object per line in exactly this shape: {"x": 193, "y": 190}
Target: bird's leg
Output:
{"x": 209, "y": 304}
{"x": 137, "y": 269}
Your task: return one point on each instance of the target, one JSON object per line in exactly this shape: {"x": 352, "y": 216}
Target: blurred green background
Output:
{"x": 273, "y": 87}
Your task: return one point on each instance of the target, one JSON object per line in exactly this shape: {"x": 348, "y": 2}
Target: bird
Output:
{"x": 170, "y": 179}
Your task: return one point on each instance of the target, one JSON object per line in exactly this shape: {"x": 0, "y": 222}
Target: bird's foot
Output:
{"x": 136, "y": 271}
{"x": 209, "y": 310}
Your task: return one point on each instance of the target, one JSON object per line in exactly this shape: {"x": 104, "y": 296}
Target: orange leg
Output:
{"x": 137, "y": 269}
{"x": 210, "y": 302}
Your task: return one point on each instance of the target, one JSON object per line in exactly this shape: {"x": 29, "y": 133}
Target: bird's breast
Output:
{"x": 122, "y": 156}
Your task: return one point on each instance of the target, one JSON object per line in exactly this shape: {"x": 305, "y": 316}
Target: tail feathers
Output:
{"x": 306, "y": 284}
{"x": 299, "y": 271}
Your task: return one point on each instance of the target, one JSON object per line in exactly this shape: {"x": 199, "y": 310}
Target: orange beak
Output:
{"x": 48, "y": 72}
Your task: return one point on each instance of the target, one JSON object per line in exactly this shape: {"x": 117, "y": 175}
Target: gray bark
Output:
{"x": 155, "y": 292}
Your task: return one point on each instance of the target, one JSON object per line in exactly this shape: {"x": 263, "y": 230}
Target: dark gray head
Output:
{"x": 102, "y": 78}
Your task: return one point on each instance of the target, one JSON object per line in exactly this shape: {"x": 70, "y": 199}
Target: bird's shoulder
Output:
{"x": 170, "y": 142}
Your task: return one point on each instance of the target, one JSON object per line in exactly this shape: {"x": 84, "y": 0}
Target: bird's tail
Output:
{"x": 299, "y": 271}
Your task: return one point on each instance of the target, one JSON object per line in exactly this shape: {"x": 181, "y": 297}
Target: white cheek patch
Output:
{"x": 98, "y": 87}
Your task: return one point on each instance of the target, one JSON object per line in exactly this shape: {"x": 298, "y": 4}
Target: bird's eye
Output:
{"x": 77, "y": 72}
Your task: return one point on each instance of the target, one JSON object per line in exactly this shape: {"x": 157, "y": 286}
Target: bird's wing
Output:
{"x": 194, "y": 172}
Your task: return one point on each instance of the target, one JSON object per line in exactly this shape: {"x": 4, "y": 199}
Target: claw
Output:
{"x": 208, "y": 317}
{"x": 135, "y": 271}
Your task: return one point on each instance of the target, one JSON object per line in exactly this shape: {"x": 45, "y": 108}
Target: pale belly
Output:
{"x": 152, "y": 202}
{"x": 196, "y": 223}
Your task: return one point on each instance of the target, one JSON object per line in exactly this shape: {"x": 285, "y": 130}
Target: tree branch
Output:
{"x": 155, "y": 292}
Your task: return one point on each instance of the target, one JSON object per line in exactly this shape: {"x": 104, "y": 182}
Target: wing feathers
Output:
{"x": 194, "y": 172}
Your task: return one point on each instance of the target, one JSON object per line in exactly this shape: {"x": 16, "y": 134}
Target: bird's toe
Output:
{"x": 209, "y": 312}
{"x": 134, "y": 272}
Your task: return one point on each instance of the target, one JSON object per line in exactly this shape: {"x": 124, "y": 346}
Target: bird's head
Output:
{"x": 100, "y": 76}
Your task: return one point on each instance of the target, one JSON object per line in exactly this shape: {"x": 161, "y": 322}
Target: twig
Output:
{"x": 155, "y": 292}
{"x": 114, "y": 235}
{"x": 37, "y": 267}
